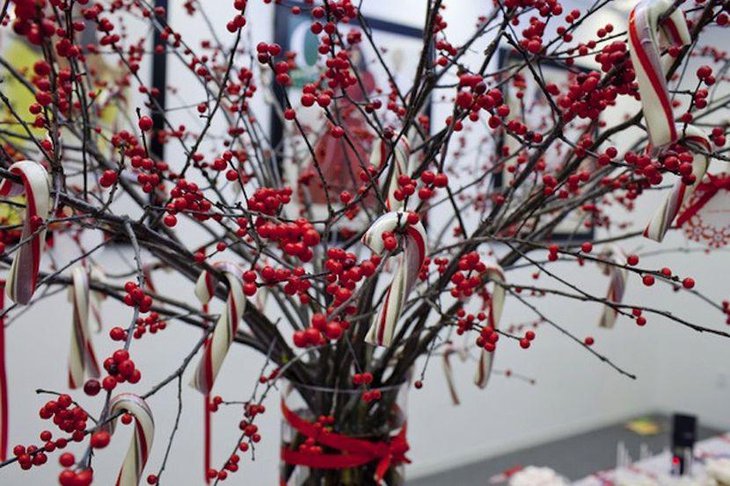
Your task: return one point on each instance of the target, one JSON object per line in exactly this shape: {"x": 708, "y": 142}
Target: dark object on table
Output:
{"x": 684, "y": 434}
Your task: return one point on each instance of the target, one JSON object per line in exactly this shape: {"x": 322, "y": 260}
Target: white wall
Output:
{"x": 676, "y": 367}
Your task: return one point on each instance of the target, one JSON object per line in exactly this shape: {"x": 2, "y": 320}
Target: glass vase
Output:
{"x": 343, "y": 437}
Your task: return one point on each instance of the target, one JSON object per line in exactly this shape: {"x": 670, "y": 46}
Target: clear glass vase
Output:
{"x": 334, "y": 437}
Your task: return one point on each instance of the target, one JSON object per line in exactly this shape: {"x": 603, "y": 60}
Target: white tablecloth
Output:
{"x": 655, "y": 470}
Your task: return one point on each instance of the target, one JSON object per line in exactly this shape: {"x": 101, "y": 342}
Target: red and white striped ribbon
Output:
{"x": 700, "y": 146}
{"x": 144, "y": 433}
{"x": 449, "y": 350}
{"x": 81, "y": 359}
{"x": 400, "y": 157}
{"x": 406, "y": 274}
{"x": 4, "y": 412}
{"x": 494, "y": 314}
{"x": 217, "y": 346}
{"x": 96, "y": 274}
{"x": 613, "y": 266}
{"x": 648, "y": 34}
{"x": 23, "y": 275}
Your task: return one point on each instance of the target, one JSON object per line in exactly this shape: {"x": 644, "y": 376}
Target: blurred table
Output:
{"x": 655, "y": 469}
{"x": 574, "y": 457}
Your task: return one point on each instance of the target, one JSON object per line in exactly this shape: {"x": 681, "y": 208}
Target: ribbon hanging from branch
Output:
{"x": 654, "y": 24}
{"x": 23, "y": 275}
{"x": 142, "y": 437}
{"x": 411, "y": 260}
{"x": 494, "y": 314}
{"x": 615, "y": 268}
{"x": 82, "y": 359}
{"x": 216, "y": 348}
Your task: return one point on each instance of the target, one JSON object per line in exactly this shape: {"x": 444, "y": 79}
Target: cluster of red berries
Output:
{"x": 344, "y": 274}
{"x": 295, "y": 281}
{"x": 120, "y": 369}
{"x": 187, "y": 196}
{"x": 69, "y": 477}
{"x": 526, "y": 340}
{"x": 269, "y": 201}
{"x": 640, "y": 319}
{"x": 487, "y": 339}
{"x": 296, "y": 239}
{"x": 319, "y": 330}
{"x": 468, "y": 279}
{"x": 135, "y": 297}
{"x": 465, "y": 322}
{"x": 68, "y": 418}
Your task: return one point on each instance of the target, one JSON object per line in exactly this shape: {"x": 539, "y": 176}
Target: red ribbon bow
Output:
{"x": 352, "y": 452}
{"x": 708, "y": 189}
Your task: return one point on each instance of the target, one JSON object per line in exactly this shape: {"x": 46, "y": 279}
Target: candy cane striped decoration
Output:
{"x": 144, "y": 433}
{"x": 414, "y": 253}
{"x": 699, "y": 143}
{"x": 81, "y": 358}
{"x": 23, "y": 275}
{"x": 217, "y": 346}
{"x": 618, "y": 276}
{"x": 648, "y": 33}
{"x": 449, "y": 350}
{"x": 96, "y": 274}
{"x": 646, "y": 37}
{"x": 401, "y": 153}
{"x": 486, "y": 359}
{"x": 4, "y": 413}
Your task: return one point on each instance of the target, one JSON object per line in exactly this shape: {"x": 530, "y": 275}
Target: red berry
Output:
{"x": 145, "y": 123}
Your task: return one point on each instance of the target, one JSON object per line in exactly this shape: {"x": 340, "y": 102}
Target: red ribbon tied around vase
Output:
{"x": 654, "y": 24}
{"x": 23, "y": 274}
{"x": 352, "y": 452}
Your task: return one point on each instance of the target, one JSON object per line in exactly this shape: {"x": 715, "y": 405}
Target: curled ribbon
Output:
{"x": 351, "y": 452}
{"x": 81, "y": 359}
{"x": 144, "y": 432}
{"x": 23, "y": 275}
{"x": 401, "y": 153}
{"x": 650, "y": 28}
{"x": 414, "y": 254}
{"x": 217, "y": 346}
{"x": 618, "y": 275}
{"x": 449, "y": 350}
{"x": 494, "y": 314}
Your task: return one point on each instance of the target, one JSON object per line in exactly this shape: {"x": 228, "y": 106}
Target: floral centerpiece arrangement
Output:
{"x": 378, "y": 224}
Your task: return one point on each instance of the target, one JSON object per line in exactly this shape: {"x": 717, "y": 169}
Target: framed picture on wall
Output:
{"x": 340, "y": 161}
{"x": 528, "y": 102}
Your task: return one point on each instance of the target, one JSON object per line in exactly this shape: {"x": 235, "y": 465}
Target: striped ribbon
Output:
{"x": 668, "y": 210}
{"x": 494, "y": 313}
{"x": 96, "y": 274}
{"x": 401, "y": 153}
{"x": 649, "y": 32}
{"x": 144, "y": 432}
{"x": 613, "y": 266}
{"x": 406, "y": 275}
{"x": 217, "y": 346}
{"x": 23, "y": 275}
{"x": 4, "y": 415}
{"x": 449, "y": 350}
{"x": 82, "y": 359}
